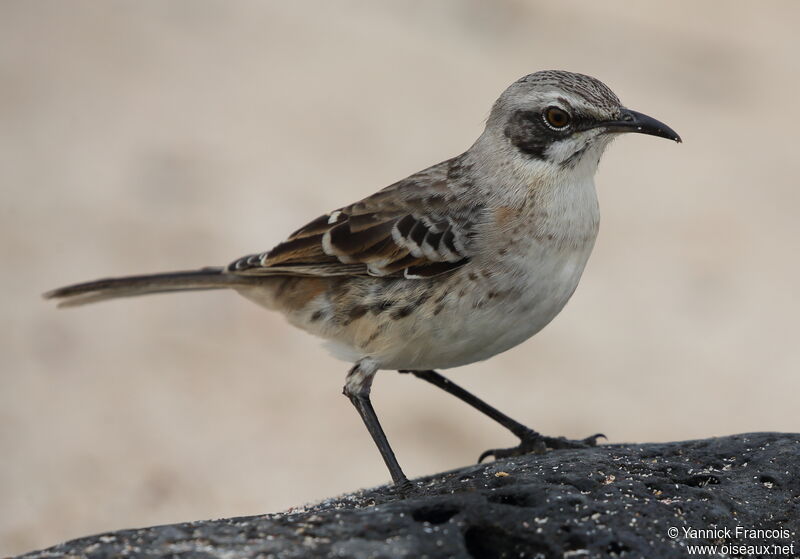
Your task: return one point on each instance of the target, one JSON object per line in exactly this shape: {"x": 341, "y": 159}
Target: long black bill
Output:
{"x": 632, "y": 121}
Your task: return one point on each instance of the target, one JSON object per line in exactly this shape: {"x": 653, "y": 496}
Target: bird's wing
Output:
{"x": 417, "y": 228}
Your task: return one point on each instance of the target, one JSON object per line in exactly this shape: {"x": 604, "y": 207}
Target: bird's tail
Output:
{"x": 131, "y": 286}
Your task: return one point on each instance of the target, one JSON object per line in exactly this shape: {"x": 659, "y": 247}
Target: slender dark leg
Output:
{"x": 357, "y": 388}
{"x": 530, "y": 440}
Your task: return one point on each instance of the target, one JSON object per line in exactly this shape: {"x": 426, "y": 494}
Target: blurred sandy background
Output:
{"x": 147, "y": 136}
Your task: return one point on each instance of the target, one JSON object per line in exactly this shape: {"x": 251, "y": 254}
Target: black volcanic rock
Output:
{"x": 609, "y": 501}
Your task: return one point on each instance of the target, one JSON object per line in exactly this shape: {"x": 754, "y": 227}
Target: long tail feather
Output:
{"x": 131, "y": 286}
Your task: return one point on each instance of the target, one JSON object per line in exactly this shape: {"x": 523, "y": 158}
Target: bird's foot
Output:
{"x": 403, "y": 488}
{"x": 536, "y": 443}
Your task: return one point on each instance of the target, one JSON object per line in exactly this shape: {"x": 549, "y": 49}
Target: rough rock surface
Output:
{"x": 609, "y": 501}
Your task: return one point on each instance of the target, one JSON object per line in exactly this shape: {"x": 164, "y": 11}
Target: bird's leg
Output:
{"x": 530, "y": 440}
{"x": 357, "y": 388}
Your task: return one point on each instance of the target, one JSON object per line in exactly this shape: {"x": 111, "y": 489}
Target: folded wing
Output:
{"x": 417, "y": 228}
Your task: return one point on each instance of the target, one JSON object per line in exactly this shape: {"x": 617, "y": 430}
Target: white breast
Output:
{"x": 501, "y": 300}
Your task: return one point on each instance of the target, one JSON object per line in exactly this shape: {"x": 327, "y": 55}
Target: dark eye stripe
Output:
{"x": 531, "y": 134}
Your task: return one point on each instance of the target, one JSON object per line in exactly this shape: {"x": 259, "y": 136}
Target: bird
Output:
{"x": 450, "y": 266}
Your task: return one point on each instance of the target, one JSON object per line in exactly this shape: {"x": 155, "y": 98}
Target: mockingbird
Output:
{"x": 452, "y": 265}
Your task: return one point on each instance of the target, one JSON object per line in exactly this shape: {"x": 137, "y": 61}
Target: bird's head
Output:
{"x": 562, "y": 119}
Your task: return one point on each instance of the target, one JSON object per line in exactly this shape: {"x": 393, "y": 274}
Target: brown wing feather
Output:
{"x": 416, "y": 228}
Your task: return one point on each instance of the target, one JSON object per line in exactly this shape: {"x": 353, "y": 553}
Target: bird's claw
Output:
{"x": 535, "y": 443}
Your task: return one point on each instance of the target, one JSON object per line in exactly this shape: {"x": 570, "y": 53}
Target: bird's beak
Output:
{"x": 631, "y": 121}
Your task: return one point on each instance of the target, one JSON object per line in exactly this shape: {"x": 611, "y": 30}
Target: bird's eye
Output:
{"x": 556, "y": 118}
